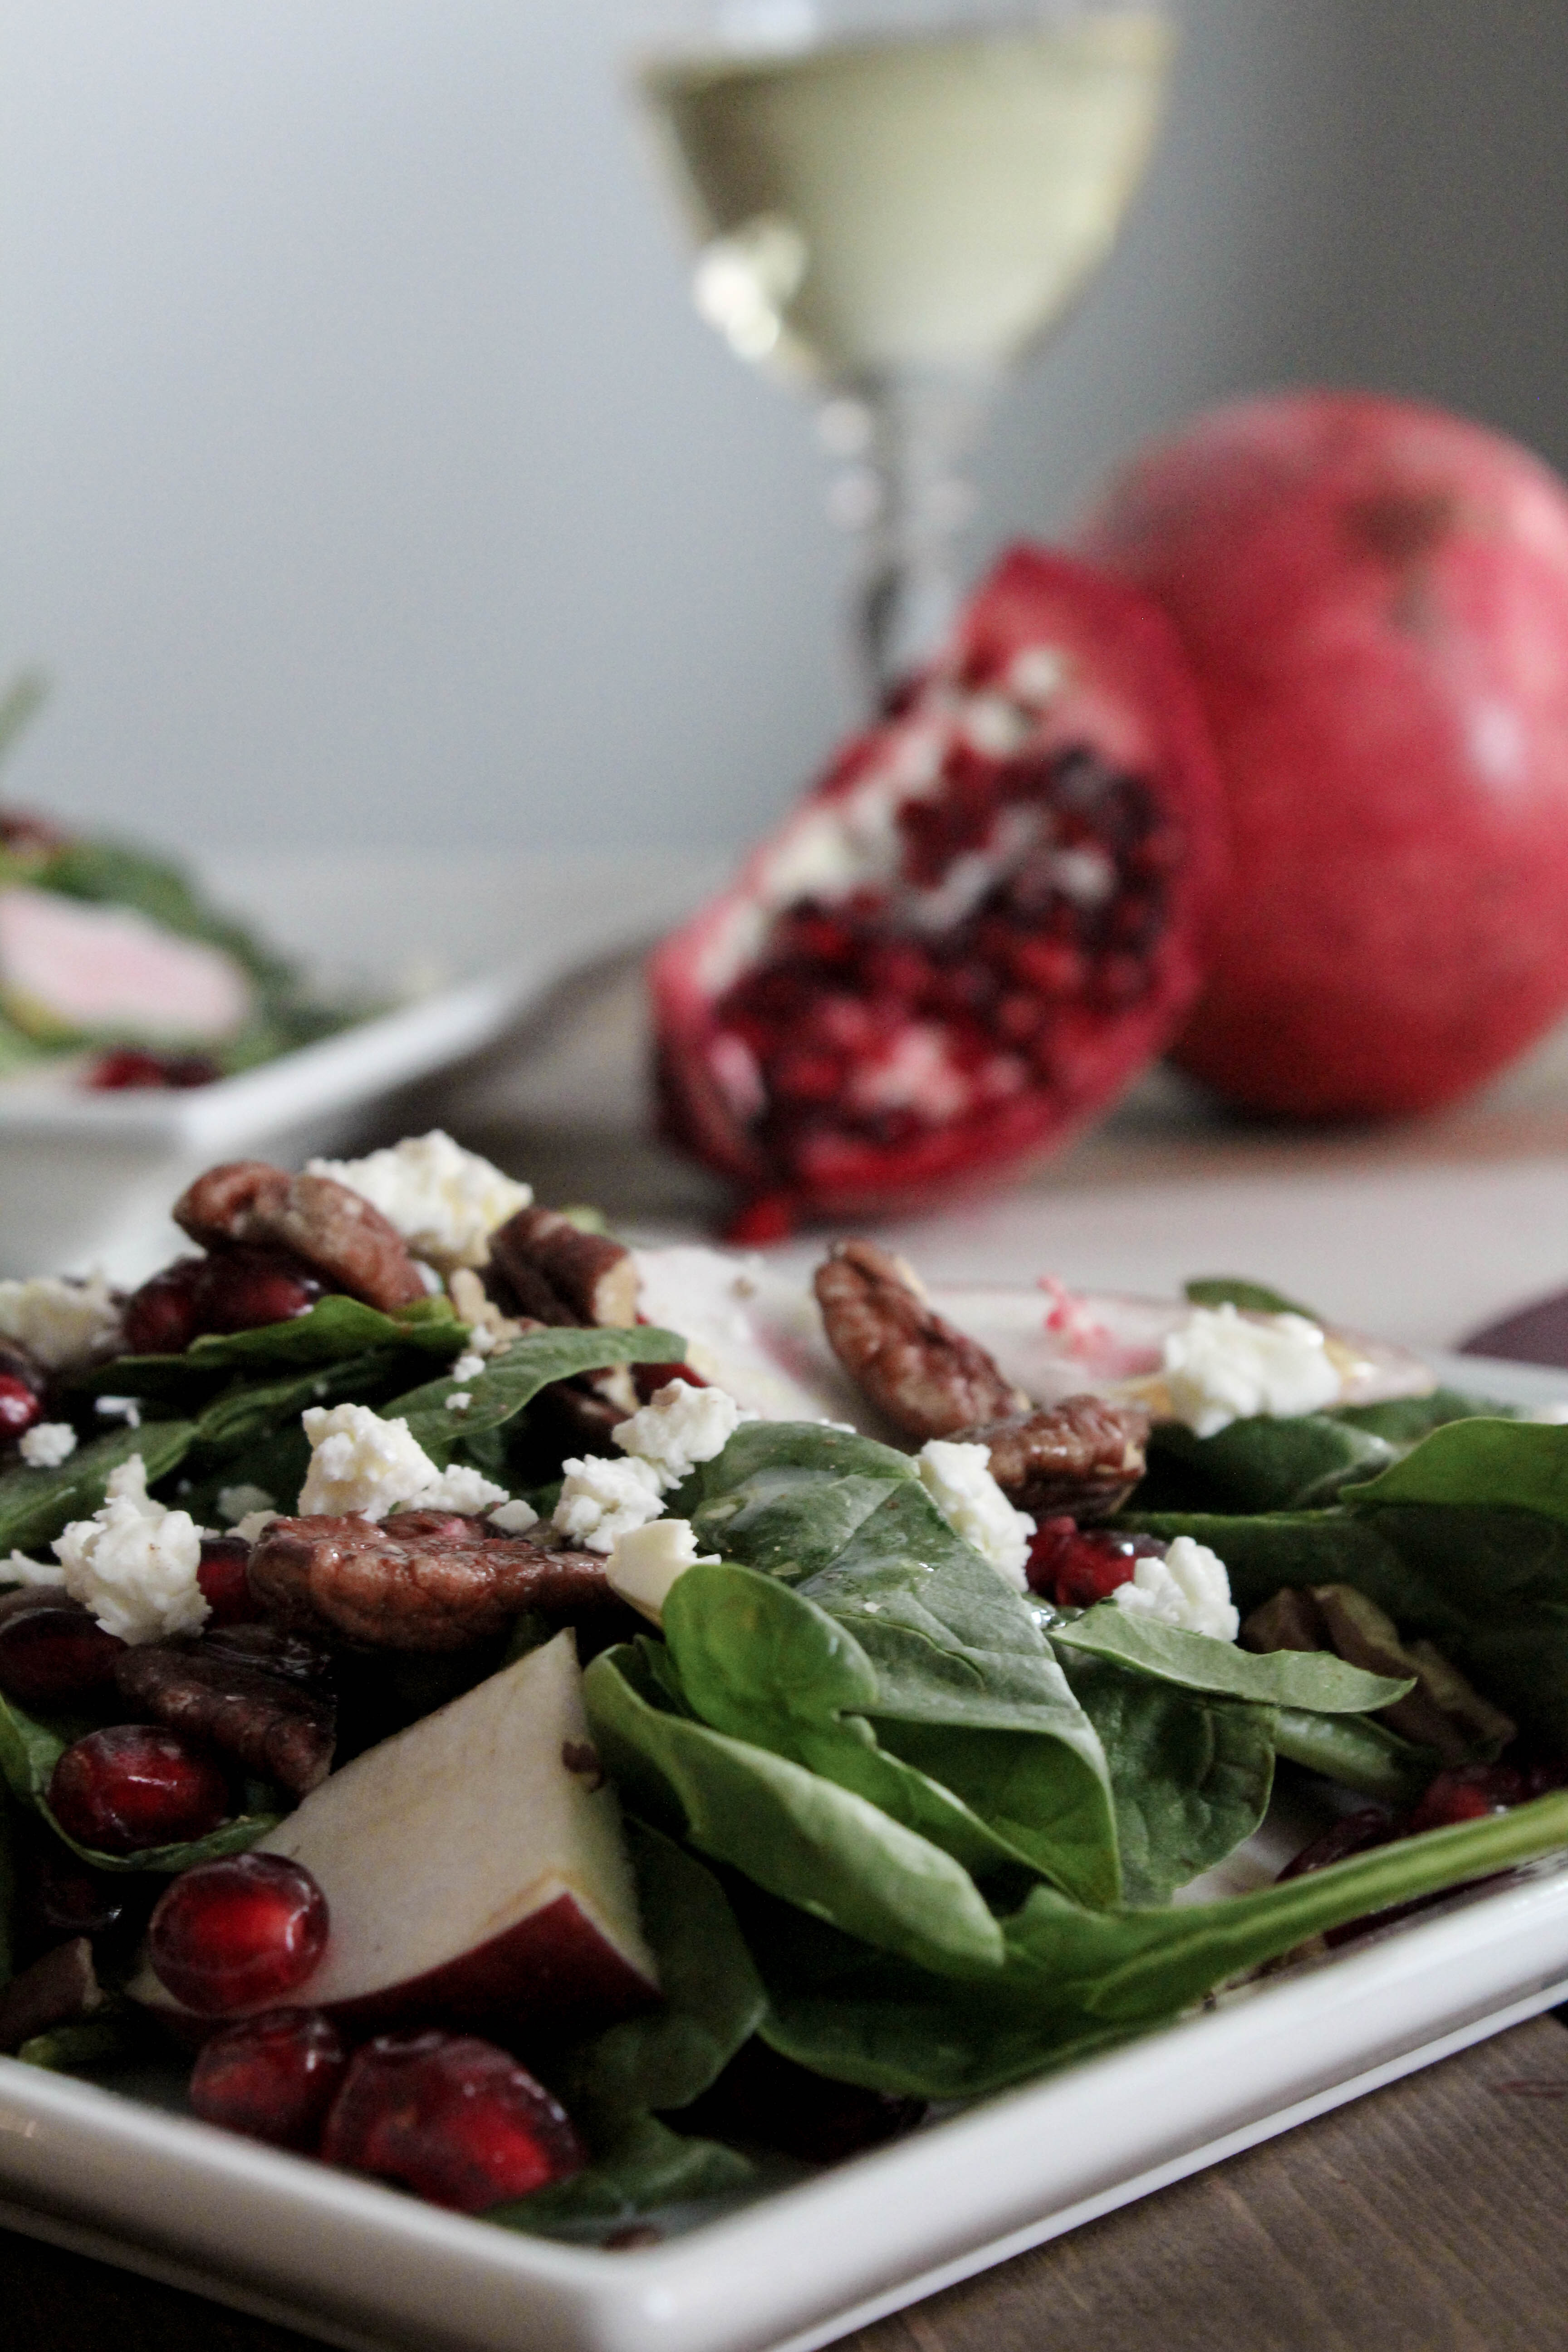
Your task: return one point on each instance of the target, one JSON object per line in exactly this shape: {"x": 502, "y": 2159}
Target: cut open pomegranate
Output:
{"x": 974, "y": 931}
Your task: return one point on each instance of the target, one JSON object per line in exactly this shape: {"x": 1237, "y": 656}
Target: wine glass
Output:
{"x": 892, "y": 201}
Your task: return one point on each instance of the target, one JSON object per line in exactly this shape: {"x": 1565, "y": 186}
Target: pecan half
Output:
{"x": 321, "y": 1220}
{"x": 253, "y": 1690}
{"x": 423, "y": 1581}
{"x": 59, "y": 1988}
{"x": 563, "y": 1275}
{"x": 1084, "y": 1456}
{"x": 927, "y": 1377}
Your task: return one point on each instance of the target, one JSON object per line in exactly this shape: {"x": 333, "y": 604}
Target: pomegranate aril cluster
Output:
{"x": 1074, "y": 1566}
{"x": 454, "y": 2118}
{"x": 233, "y": 1289}
{"x": 888, "y": 1016}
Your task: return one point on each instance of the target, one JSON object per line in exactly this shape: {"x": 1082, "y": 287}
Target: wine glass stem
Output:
{"x": 904, "y": 496}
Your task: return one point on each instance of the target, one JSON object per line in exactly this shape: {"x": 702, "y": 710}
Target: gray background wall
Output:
{"x": 366, "y": 474}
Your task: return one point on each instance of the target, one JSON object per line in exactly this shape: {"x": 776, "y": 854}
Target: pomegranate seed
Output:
{"x": 54, "y": 1653}
{"x": 127, "y": 1065}
{"x": 232, "y": 1934}
{"x": 223, "y": 1576}
{"x": 1469, "y": 1794}
{"x": 770, "y": 1219}
{"x": 1076, "y": 1566}
{"x": 247, "y": 1287}
{"x": 135, "y": 1786}
{"x": 272, "y": 2078}
{"x": 163, "y": 1317}
{"x": 647, "y": 1379}
{"x": 454, "y": 2118}
{"x": 20, "y": 1406}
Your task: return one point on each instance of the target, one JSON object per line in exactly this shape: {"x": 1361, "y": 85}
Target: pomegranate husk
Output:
{"x": 1127, "y": 700}
{"x": 1374, "y": 597}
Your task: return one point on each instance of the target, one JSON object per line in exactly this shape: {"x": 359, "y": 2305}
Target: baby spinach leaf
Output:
{"x": 100, "y": 2040}
{"x": 249, "y": 1413}
{"x": 333, "y": 1328}
{"x": 1191, "y": 1775}
{"x": 645, "y": 2167}
{"x": 1358, "y": 1754}
{"x": 30, "y": 1748}
{"x": 1251, "y": 1297}
{"x": 1268, "y": 1464}
{"x": 510, "y": 1381}
{"x": 1311, "y": 1679}
{"x": 787, "y": 1496}
{"x": 36, "y": 1504}
{"x": 713, "y": 1998}
{"x": 7, "y": 1888}
{"x": 760, "y": 1662}
{"x": 1403, "y": 1419}
{"x": 1077, "y": 1979}
{"x": 795, "y": 1832}
{"x": 1505, "y": 1465}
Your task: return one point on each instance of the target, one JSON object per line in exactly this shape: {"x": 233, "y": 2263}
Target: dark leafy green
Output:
{"x": 1311, "y": 1679}
{"x": 1405, "y": 1419}
{"x": 512, "y": 1381}
{"x": 1356, "y": 1753}
{"x": 643, "y": 2168}
{"x": 104, "y": 2040}
{"x": 36, "y": 1504}
{"x": 795, "y": 1832}
{"x": 31, "y": 1747}
{"x": 332, "y": 1328}
{"x": 1491, "y": 1465}
{"x": 1191, "y": 1775}
{"x": 1271, "y": 1465}
{"x": 1252, "y": 1298}
{"x": 1075, "y": 1980}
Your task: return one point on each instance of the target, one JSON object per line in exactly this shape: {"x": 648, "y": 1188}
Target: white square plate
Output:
{"x": 361, "y": 2266}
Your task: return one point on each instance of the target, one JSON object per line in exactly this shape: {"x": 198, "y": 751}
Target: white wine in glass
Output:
{"x": 892, "y": 200}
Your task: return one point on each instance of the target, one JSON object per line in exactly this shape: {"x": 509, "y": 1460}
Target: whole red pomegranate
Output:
{"x": 1373, "y": 596}
{"x": 972, "y": 934}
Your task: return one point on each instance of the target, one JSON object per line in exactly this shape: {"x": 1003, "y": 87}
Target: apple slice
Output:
{"x": 474, "y": 1870}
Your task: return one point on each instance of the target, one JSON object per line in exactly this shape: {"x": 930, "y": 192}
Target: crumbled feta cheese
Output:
{"x": 1189, "y": 1588}
{"x": 459, "y": 1400}
{"x": 469, "y": 1365}
{"x": 20, "y": 1569}
{"x": 679, "y": 1427}
{"x": 1222, "y": 1367}
{"x": 957, "y": 1477}
{"x": 250, "y": 1529}
{"x": 60, "y": 1324}
{"x": 46, "y": 1444}
{"x": 514, "y": 1518}
{"x": 444, "y": 1201}
{"x": 601, "y": 1500}
{"x": 644, "y": 1563}
{"x": 360, "y": 1462}
{"x": 119, "y": 1407}
{"x": 237, "y": 1503}
{"x": 133, "y": 1563}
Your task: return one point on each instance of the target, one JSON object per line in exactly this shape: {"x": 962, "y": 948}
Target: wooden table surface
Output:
{"x": 1426, "y": 2218}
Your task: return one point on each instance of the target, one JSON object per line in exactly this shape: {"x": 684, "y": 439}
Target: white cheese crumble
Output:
{"x": 46, "y": 1444}
{"x": 459, "y": 1400}
{"x": 644, "y": 1563}
{"x": 514, "y": 1518}
{"x": 679, "y": 1427}
{"x": 133, "y": 1563}
{"x": 360, "y": 1462}
{"x": 119, "y": 1407}
{"x": 602, "y": 1500}
{"x": 469, "y": 1365}
{"x": 20, "y": 1569}
{"x": 254, "y": 1524}
{"x": 60, "y": 1324}
{"x": 957, "y": 1477}
{"x": 237, "y": 1503}
{"x": 444, "y": 1201}
{"x": 1222, "y": 1367}
{"x": 1189, "y": 1588}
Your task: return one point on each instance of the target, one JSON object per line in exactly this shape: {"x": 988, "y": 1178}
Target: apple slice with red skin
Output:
{"x": 474, "y": 1871}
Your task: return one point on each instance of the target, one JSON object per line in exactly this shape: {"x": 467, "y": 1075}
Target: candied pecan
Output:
{"x": 333, "y": 1229}
{"x": 59, "y": 1988}
{"x": 1290, "y": 1620}
{"x": 1444, "y": 1711}
{"x": 563, "y": 1275}
{"x": 255, "y": 1691}
{"x": 927, "y": 1377}
{"x": 410, "y": 1584}
{"x": 1084, "y": 1456}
